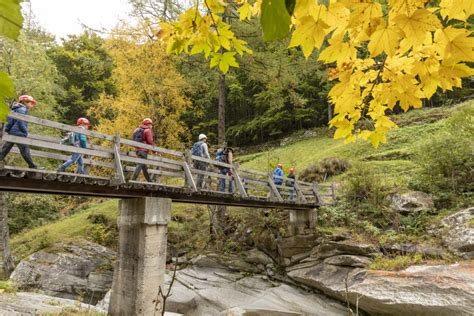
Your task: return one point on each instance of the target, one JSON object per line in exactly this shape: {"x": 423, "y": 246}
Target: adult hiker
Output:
{"x": 278, "y": 172}
{"x": 78, "y": 140}
{"x": 143, "y": 134}
{"x": 19, "y": 128}
{"x": 225, "y": 155}
{"x": 291, "y": 183}
{"x": 200, "y": 149}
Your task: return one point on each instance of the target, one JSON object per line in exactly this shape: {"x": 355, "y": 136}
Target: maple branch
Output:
{"x": 377, "y": 79}
{"x": 212, "y": 18}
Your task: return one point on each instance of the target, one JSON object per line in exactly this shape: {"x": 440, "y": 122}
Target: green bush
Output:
{"x": 323, "y": 169}
{"x": 363, "y": 185}
{"x": 103, "y": 231}
{"x": 26, "y": 211}
{"x": 446, "y": 159}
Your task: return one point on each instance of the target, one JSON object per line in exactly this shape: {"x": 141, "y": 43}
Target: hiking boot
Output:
{"x": 61, "y": 169}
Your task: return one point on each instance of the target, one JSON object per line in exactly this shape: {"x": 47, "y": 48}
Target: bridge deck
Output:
{"x": 108, "y": 159}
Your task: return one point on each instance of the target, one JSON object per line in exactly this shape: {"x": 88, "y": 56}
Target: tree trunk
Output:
{"x": 217, "y": 213}
{"x": 329, "y": 111}
{"x": 221, "y": 111}
{"x": 8, "y": 265}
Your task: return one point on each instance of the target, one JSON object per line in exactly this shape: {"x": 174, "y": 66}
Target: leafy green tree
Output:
{"x": 27, "y": 63}
{"x": 86, "y": 68}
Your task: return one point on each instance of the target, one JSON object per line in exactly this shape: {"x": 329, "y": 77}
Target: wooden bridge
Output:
{"x": 109, "y": 158}
{"x": 145, "y": 207}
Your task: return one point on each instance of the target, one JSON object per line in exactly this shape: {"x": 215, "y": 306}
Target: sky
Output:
{"x": 63, "y": 17}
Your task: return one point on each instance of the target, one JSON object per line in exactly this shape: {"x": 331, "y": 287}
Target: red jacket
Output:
{"x": 147, "y": 138}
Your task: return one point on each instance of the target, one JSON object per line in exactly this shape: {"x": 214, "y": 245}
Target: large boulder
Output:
{"x": 23, "y": 304}
{"x": 419, "y": 290}
{"x": 69, "y": 271}
{"x": 201, "y": 290}
{"x": 457, "y": 232}
{"x": 346, "y": 247}
{"x": 411, "y": 201}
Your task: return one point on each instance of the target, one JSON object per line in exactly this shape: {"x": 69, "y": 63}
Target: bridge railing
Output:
{"x": 113, "y": 160}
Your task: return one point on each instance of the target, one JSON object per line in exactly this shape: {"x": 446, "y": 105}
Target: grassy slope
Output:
{"x": 417, "y": 126}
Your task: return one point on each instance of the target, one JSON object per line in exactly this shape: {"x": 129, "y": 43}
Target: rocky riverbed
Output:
{"x": 303, "y": 275}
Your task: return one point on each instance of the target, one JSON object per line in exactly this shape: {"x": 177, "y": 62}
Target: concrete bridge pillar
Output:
{"x": 301, "y": 222}
{"x": 140, "y": 268}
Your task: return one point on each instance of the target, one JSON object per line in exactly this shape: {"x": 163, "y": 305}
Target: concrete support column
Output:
{"x": 301, "y": 222}
{"x": 140, "y": 269}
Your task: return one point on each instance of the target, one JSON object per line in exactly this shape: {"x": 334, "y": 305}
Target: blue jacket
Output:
{"x": 16, "y": 127}
{"x": 278, "y": 172}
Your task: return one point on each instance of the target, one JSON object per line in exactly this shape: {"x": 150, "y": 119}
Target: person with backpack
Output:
{"x": 225, "y": 155}
{"x": 278, "y": 172}
{"x": 290, "y": 183}
{"x": 78, "y": 140}
{"x": 143, "y": 134}
{"x": 200, "y": 149}
{"x": 19, "y": 128}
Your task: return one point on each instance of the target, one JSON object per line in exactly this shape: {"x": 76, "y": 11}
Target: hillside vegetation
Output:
{"x": 361, "y": 210}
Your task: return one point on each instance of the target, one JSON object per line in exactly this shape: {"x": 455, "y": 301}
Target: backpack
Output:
{"x": 197, "y": 149}
{"x": 221, "y": 155}
{"x": 138, "y": 134}
{"x": 70, "y": 139}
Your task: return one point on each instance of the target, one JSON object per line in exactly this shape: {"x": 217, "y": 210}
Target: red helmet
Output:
{"x": 147, "y": 121}
{"x": 83, "y": 121}
{"x": 27, "y": 98}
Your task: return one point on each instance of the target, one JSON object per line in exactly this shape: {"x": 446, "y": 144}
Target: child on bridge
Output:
{"x": 19, "y": 128}
{"x": 78, "y": 140}
{"x": 143, "y": 134}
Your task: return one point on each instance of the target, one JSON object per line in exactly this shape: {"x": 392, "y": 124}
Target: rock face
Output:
{"x": 419, "y": 290}
{"x": 22, "y": 304}
{"x": 411, "y": 201}
{"x": 457, "y": 232}
{"x": 214, "y": 290}
{"x": 72, "y": 272}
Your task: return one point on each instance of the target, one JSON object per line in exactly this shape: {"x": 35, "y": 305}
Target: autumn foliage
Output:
{"x": 148, "y": 86}
{"x": 380, "y": 54}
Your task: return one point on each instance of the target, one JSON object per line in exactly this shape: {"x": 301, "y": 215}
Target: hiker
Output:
{"x": 225, "y": 155}
{"x": 78, "y": 140}
{"x": 143, "y": 134}
{"x": 290, "y": 183}
{"x": 200, "y": 149}
{"x": 19, "y": 128}
{"x": 278, "y": 172}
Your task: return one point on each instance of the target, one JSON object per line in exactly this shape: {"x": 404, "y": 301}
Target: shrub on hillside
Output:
{"x": 323, "y": 169}
{"x": 30, "y": 210}
{"x": 446, "y": 159}
{"x": 363, "y": 185}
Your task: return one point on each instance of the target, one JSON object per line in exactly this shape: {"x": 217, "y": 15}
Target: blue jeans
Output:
{"x": 224, "y": 172}
{"x": 75, "y": 158}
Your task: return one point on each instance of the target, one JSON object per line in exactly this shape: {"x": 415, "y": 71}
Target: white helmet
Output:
{"x": 202, "y": 136}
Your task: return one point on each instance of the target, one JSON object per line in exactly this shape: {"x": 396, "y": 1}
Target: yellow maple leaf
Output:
{"x": 385, "y": 39}
{"x": 405, "y": 6}
{"x": 338, "y": 50}
{"x": 245, "y": 11}
{"x": 417, "y": 25}
{"x": 455, "y": 45}
{"x": 457, "y": 9}
{"x": 309, "y": 33}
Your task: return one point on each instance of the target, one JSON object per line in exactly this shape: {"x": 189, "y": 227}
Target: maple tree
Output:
{"x": 147, "y": 86}
{"x": 379, "y": 53}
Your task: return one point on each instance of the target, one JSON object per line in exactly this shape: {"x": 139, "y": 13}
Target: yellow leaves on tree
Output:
{"x": 148, "y": 86}
{"x": 415, "y": 48}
